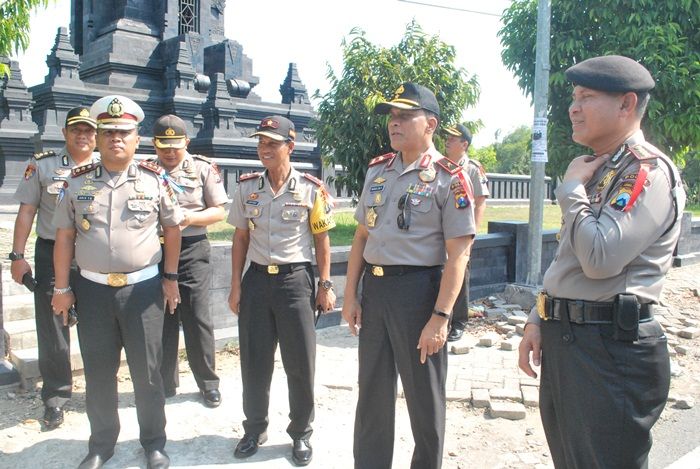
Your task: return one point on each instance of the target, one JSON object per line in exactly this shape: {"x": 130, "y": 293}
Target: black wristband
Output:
{"x": 171, "y": 275}
{"x": 442, "y": 314}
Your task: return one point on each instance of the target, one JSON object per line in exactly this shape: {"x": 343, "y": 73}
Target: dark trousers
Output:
{"x": 53, "y": 338}
{"x": 600, "y": 397}
{"x": 109, "y": 319}
{"x": 278, "y": 308}
{"x": 460, "y": 311}
{"x": 197, "y": 324}
{"x": 394, "y": 311}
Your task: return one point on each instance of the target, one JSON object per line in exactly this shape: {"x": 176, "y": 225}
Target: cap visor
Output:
{"x": 170, "y": 143}
{"x": 272, "y": 135}
{"x": 115, "y": 126}
{"x": 385, "y": 108}
{"x": 81, "y": 120}
{"x": 454, "y": 132}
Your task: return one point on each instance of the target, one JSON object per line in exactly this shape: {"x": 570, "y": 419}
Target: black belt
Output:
{"x": 47, "y": 241}
{"x": 393, "y": 270}
{"x": 189, "y": 240}
{"x": 588, "y": 312}
{"x": 275, "y": 269}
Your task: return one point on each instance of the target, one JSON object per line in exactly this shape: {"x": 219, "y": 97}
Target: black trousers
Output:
{"x": 278, "y": 308}
{"x": 53, "y": 338}
{"x": 197, "y": 323}
{"x": 600, "y": 397}
{"x": 394, "y": 311}
{"x": 110, "y": 319}
{"x": 460, "y": 311}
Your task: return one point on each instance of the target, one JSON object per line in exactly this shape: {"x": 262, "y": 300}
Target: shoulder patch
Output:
{"x": 449, "y": 166}
{"x": 152, "y": 166}
{"x": 313, "y": 179}
{"x": 44, "y": 154}
{"x": 643, "y": 151}
{"x": 86, "y": 168}
{"x": 475, "y": 163}
{"x": 247, "y": 176}
{"x": 203, "y": 158}
{"x": 381, "y": 159}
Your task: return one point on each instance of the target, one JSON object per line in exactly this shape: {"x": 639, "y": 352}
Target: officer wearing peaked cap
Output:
{"x": 109, "y": 218}
{"x": 279, "y": 216}
{"x": 416, "y": 205}
{"x": 605, "y": 364}
{"x": 201, "y": 196}
{"x": 37, "y": 193}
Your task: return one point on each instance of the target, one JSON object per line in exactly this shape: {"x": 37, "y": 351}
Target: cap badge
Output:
{"x": 169, "y": 132}
{"x": 115, "y": 108}
{"x": 269, "y": 123}
{"x": 84, "y": 113}
{"x": 399, "y": 92}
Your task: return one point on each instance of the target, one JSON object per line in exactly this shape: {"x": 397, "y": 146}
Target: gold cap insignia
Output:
{"x": 84, "y": 113}
{"x": 115, "y": 108}
{"x": 399, "y": 92}
{"x": 169, "y": 132}
{"x": 269, "y": 123}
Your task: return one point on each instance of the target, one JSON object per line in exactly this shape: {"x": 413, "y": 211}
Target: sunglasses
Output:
{"x": 404, "y": 219}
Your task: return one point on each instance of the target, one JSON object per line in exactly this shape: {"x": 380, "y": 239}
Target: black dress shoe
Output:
{"x": 455, "y": 334}
{"x": 93, "y": 461}
{"x": 302, "y": 452}
{"x": 53, "y": 417}
{"x": 212, "y": 397}
{"x": 248, "y": 445}
{"x": 157, "y": 459}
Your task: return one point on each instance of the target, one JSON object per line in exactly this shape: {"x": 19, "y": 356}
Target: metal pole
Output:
{"x": 539, "y": 144}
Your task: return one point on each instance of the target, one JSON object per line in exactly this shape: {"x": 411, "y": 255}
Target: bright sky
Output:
{"x": 309, "y": 32}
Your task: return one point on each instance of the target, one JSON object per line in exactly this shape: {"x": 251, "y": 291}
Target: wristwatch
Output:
{"x": 171, "y": 275}
{"x": 442, "y": 314}
{"x": 15, "y": 256}
{"x": 325, "y": 284}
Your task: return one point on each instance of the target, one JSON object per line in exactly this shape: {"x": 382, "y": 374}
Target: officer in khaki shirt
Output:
{"x": 108, "y": 218}
{"x": 605, "y": 365}
{"x": 415, "y": 207}
{"x": 456, "y": 146}
{"x": 201, "y": 195}
{"x": 279, "y": 216}
{"x": 37, "y": 194}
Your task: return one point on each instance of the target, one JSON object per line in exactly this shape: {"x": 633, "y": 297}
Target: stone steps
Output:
{"x": 18, "y": 307}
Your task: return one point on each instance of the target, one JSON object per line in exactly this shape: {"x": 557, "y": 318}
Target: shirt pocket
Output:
{"x": 140, "y": 213}
{"x": 253, "y": 211}
{"x": 420, "y": 204}
{"x": 294, "y": 214}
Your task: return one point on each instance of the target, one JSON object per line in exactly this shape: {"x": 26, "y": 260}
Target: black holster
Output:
{"x": 626, "y": 318}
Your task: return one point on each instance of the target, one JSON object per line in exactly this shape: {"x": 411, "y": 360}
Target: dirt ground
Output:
{"x": 200, "y": 437}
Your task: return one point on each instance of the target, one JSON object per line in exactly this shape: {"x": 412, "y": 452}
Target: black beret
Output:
{"x": 613, "y": 73}
{"x": 410, "y": 96}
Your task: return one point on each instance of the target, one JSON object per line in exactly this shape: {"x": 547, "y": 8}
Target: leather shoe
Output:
{"x": 248, "y": 445}
{"x": 212, "y": 397}
{"x": 455, "y": 334}
{"x": 53, "y": 417}
{"x": 93, "y": 461}
{"x": 302, "y": 452}
{"x": 157, "y": 459}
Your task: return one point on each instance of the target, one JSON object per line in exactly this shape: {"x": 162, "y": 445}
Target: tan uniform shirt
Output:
{"x": 610, "y": 242}
{"x": 436, "y": 211}
{"x": 116, "y": 217}
{"x": 477, "y": 176}
{"x": 43, "y": 179}
{"x": 281, "y": 225}
{"x": 201, "y": 188}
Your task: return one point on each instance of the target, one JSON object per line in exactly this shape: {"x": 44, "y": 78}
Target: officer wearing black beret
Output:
{"x": 605, "y": 364}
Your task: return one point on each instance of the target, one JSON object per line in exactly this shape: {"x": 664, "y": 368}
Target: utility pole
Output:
{"x": 539, "y": 145}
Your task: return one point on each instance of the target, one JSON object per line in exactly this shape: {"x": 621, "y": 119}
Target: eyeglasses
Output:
{"x": 404, "y": 219}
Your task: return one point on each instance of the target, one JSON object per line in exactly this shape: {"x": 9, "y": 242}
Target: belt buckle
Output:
{"x": 116, "y": 280}
{"x": 273, "y": 269}
{"x": 377, "y": 271}
{"x": 541, "y": 296}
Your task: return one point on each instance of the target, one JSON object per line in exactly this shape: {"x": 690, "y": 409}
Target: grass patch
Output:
{"x": 693, "y": 208}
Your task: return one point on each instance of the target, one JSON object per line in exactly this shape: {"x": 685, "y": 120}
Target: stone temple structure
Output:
{"x": 170, "y": 56}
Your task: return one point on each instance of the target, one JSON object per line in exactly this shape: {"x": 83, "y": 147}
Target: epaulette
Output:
{"x": 381, "y": 159}
{"x": 475, "y": 163}
{"x": 86, "y": 168}
{"x": 644, "y": 151}
{"x": 44, "y": 154}
{"x": 313, "y": 179}
{"x": 449, "y": 165}
{"x": 203, "y": 158}
{"x": 246, "y": 176}
{"x": 152, "y": 166}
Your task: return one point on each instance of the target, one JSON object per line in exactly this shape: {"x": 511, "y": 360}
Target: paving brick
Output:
{"x": 511, "y": 383}
{"x": 512, "y": 307}
{"x": 690, "y": 322}
{"x": 520, "y": 329}
{"x": 682, "y": 349}
{"x": 506, "y": 394}
{"x": 480, "y": 398}
{"x": 496, "y": 313}
{"x": 673, "y": 330}
{"x": 508, "y": 410}
{"x": 515, "y": 320}
{"x": 689, "y": 332}
{"x": 505, "y": 328}
{"x": 460, "y": 349}
{"x": 458, "y": 395}
{"x": 510, "y": 344}
{"x": 531, "y": 396}
{"x": 489, "y": 339}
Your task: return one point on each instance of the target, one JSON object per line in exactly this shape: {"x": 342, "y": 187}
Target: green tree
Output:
{"x": 513, "y": 153}
{"x": 663, "y": 35}
{"x": 348, "y": 131}
{"x": 486, "y": 156}
{"x": 14, "y": 27}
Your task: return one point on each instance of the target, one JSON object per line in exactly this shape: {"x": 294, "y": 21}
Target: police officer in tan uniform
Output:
{"x": 605, "y": 363}
{"x": 415, "y": 207}
{"x": 456, "y": 146}
{"x": 43, "y": 180}
{"x": 201, "y": 195}
{"x": 279, "y": 215}
{"x": 108, "y": 218}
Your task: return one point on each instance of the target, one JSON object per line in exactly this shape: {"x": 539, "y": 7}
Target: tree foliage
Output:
{"x": 663, "y": 35}
{"x": 14, "y": 27}
{"x": 348, "y": 131}
{"x": 509, "y": 156}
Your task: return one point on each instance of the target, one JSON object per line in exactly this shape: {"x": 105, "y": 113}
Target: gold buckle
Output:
{"x": 273, "y": 269}
{"x": 541, "y": 296}
{"x": 377, "y": 271}
{"x": 116, "y": 280}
